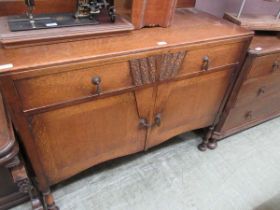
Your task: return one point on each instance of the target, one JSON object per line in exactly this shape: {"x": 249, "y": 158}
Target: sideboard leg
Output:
{"x": 204, "y": 145}
{"x": 212, "y": 144}
{"x": 49, "y": 201}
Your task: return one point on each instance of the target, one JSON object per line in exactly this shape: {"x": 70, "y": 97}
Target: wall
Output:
{"x": 217, "y": 7}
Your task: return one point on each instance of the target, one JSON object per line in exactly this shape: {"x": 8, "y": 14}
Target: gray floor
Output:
{"x": 242, "y": 174}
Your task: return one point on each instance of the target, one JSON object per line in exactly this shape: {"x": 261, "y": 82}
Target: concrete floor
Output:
{"x": 242, "y": 174}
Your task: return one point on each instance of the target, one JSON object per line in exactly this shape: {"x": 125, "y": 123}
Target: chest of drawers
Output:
{"x": 81, "y": 103}
{"x": 256, "y": 96}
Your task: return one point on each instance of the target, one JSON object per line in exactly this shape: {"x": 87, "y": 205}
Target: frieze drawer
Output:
{"x": 209, "y": 58}
{"x": 71, "y": 85}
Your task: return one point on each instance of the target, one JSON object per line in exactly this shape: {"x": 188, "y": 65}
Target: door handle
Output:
{"x": 157, "y": 121}
{"x": 143, "y": 122}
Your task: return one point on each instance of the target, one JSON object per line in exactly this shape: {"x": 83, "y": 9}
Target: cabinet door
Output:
{"x": 188, "y": 104}
{"x": 77, "y": 137}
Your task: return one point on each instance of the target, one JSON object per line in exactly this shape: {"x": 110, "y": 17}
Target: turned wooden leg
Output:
{"x": 204, "y": 145}
{"x": 212, "y": 144}
{"x": 49, "y": 201}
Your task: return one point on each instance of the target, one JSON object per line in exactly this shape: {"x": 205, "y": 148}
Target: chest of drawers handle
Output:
{"x": 97, "y": 82}
{"x": 249, "y": 115}
{"x": 261, "y": 91}
{"x": 205, "y": 63}
{"x": 276, "y": 66}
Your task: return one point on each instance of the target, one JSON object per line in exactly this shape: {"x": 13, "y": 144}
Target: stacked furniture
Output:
{"x": 81, "y": 102}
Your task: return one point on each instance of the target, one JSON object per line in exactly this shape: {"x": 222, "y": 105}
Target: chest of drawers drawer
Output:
{"x": 66, "y": 86}
{"x": 265, "y": 65}
{"x": 254, "y": 112}
{"x": 209, "y": 58}
{"x": 258, "y": 89}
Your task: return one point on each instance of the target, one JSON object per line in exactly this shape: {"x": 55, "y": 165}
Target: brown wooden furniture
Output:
{"x": 257, "y": 22}
{"x": 10, "y": 7}
{"x": 81, "y": 103}
{"x": 131, "y": 14}
{"x": 15, "y": 185}
{"x": 255, "y": 98}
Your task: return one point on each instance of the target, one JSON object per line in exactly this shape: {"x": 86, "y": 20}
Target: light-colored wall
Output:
{"x": 218, "y": 7}
{"x": 215, "y": 7}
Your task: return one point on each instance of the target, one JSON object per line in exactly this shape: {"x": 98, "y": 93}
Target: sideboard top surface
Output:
{"x": 189, "y": 27}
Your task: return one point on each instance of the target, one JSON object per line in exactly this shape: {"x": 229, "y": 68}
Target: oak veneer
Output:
{"x": 81, "y": 103}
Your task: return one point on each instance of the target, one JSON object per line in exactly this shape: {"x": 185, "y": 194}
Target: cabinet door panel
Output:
{"x": 75, "y": 138}
{"x": 188, "y": 104}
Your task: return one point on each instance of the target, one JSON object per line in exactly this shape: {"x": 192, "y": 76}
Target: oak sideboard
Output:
{"x": 77, "y": 104}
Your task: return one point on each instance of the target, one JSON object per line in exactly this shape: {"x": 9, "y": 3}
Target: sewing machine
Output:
{"x": 87, "y": 13}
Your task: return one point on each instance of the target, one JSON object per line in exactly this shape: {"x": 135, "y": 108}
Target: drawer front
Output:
{"x": 211, "y": 57}
{"x": 253, "y": 112}
{"x": 265, "y": 65}
{"x": 66, "y": 86}
{"x": 258, "y": 89}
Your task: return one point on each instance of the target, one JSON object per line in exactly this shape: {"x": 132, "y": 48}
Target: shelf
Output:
{"x": 14, "y": 39}
{"x": 255, "y": 22}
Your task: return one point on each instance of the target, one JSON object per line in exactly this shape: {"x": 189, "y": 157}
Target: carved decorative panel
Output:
{"x": 144, "y": 70}
{"x": 170, "y": 65}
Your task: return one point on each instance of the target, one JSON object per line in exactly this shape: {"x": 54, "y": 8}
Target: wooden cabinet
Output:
{"x": 77, "y": 104}
{"x": 184, "y": 105}
{"x": 256, "y": 96}
{"x": 94, "y": 131}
